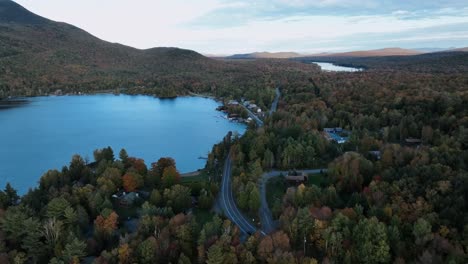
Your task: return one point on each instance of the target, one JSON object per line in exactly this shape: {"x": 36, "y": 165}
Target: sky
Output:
{"x": 224, "y": 27}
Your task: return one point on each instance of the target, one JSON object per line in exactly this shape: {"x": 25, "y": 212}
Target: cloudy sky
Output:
{"x": 241, "y": 26}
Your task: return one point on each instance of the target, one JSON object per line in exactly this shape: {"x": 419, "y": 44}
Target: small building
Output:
{"x": 259, "y": 110}
{"x": 233, "y": 102}
{"x": 296, "y": 177}
{"x": 336, "y": 134}
{"x": 376, "y": 154}
{"x": 233, "y": 116}
{"x": 126, "y": 199}
{"x": 252, "y": 106}
{"x": 413, "y": 141}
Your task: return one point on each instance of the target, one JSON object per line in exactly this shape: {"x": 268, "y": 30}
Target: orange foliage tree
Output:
{"x": 106, "y": 223}
{"x": 132, "y": 181}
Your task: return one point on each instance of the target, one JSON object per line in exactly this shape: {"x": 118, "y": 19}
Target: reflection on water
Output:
{"x": 332, "y": 67}
{"x": 45, "y": 132}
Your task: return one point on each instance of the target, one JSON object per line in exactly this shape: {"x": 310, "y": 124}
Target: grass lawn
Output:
{"x": 203, "y": 177}
{"x": 275, "y": 190}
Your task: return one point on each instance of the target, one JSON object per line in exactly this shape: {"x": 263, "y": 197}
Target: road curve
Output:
{"x": 228, "y": 203}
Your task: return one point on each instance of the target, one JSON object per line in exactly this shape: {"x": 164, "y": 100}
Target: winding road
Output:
{"x": 228, "y": 204}
{"x": 226, "y": 199}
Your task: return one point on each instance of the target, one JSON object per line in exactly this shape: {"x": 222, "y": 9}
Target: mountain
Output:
{"x": 465, "y": 49}
{"x": 363, "y": 53}
{"x": 38, "y": 56}
{"x": 266, "y": 55}
{"x": 429, "y": 50}
{"x": 371, "y": 53}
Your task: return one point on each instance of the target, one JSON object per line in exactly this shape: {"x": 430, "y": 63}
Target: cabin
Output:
{"x": 233, "y": 102}
{"x": 412, "y": 142}
{"x": 296, "y": 177}
{"x": 126, "y": 199}
{"x": 375, "y": 154}
{"x": 252, "y": 106}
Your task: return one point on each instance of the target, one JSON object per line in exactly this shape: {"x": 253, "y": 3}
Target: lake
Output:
{"x": 332, "y": 67}
{"x": 44, "y": 133}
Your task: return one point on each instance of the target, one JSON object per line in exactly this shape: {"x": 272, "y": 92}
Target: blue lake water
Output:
{"x": 45, "y": 133}
{"x": 332, "y": 67}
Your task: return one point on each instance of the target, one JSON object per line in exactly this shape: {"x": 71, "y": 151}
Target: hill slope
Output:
{"x": 38, "y": 56}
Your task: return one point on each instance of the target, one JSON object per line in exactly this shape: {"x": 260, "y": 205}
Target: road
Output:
{"x": 226, "y": 200}
{"x": 274, "y": 105}
{"x": 253, "y": 116}
{"x": 266, "y": 218}
{"x": 229, "y": 206}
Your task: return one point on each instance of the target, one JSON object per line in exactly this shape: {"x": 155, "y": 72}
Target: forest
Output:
{"x": 383, "y": 198}
{"x": 395, "y": 192}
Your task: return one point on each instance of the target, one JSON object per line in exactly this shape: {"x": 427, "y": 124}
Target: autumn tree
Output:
{"x": 350, "y": 172}
{"x": 371, "y": 242}
{"x": 125, "y": 254}
{"x": 178, "y": 197}
{"x": 106, "y": 223}
{"x": 163, "y": 163}
{"x": 170, "y": 177}
{"x": 132, "y": 181}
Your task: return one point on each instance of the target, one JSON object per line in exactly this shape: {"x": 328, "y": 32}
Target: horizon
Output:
{"x": 219, "y": 27}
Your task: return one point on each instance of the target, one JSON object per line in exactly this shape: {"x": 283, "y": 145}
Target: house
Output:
{"x": 252, "y": 106}
{"x": 376, "y": 154}
{"x": 336, "y": 134}
{"x": 413, "y": 141}
{"x": 126, "y": 199}
{"x": 296, "y": 177}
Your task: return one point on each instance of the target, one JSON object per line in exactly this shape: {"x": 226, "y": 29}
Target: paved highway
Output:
{"x": 228, "y": 203}
{"x": 274, "y": 105}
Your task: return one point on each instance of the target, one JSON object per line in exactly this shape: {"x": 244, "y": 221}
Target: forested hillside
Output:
{"x": 396, "y": 191}
{"x": 38, "y": 56}
{"x": 438, "y": 62}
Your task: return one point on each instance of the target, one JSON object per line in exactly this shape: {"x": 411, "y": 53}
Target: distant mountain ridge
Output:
{"x": 265, "y": 55}
{"x": 363, "y": 53}
{"x": 372, "y": 53}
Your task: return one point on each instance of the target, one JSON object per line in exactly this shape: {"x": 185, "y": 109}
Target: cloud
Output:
{"x": 221, "y": 26}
